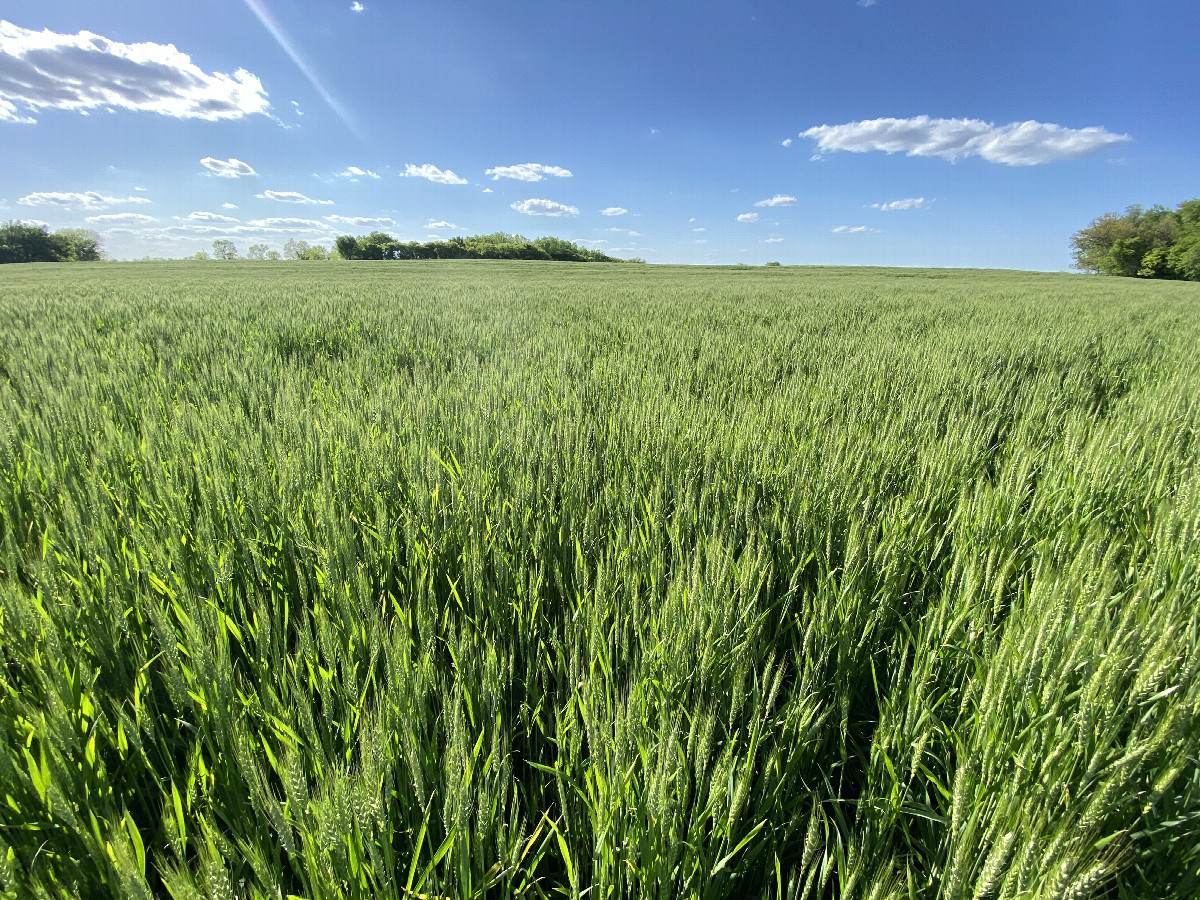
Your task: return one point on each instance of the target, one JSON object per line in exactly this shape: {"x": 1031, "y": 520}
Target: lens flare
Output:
{"x": 259, "y": 8}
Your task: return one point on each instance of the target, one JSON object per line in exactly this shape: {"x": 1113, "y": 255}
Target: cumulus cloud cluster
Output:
{"x": 227, "y": 168}
{"x": 75, "y": 200}
{"x": 906, "y": 203}
{"x": 535, "y": 207}
{"x": 1017, "y": 144}
{"x": 291, "y": 197}
{"x": 748, "y": 217}
{"x": 361, "y": 221}
{"x": 778, "y": 200}
{"x": 430, "y": 172}
{"x": 120, "y": 218}
{"x": 211, "y": 217}
{"x": 527, "y": 172}
{"x": 44, "y": 69}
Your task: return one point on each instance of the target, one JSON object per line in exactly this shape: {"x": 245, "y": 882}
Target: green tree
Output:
{"x": 77, "y": 245}
{"x": 224, "y": 249}
{"x": 347, "y": 246}
{"x": 1144, "y": 243}
{"x": 257, "y": 251}
{"x": 22, "y": 242}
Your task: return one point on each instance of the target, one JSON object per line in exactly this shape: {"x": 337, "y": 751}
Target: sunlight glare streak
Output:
{"x": 259, "y": 8}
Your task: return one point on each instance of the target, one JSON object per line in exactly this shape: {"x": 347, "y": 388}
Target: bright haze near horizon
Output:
{"x": 879, "y": 132}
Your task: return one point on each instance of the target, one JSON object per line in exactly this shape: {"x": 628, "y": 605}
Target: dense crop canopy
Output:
{"x": 517, "y": 579}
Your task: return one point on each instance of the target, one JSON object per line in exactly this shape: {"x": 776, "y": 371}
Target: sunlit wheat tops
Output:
{"x": 519, "y": 580}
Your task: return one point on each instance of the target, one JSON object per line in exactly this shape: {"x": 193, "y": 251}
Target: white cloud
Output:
{"x": 142, "y": 189}
{"x": 40, "y": 69}
{"x": 544, "y": 208}
{"x": 73, "y": 200}
{"x": 114, "y": 218}
{"x": 906, "y": 203}
{"x": 1017, "y": 144}
{"x": 360, "y": 221}
{"x": 8, "y": 113}
{"x": 212, "y": 217}
{"x": 774, "y": 240}
{"x": 291, "y": 197}
{"x": 432, "y": 224}
{"x": 855, "y": 229}
{"x": 227, "y": 168}
{"x": 228, "y": 206}
{"x": 296, "y": 108}
{"x": 778, "y": 200}
{"x": 488, "y": 191}
{"x": 787, "y": 142}
{"x": 527, "y": 172}
{"x": 634, "y": 233}
{"x": 697, "y": 230}
{"x": 748, "y": 217}
{"x": 354, "y": 173}
{"x": 286, "y": 222}
{"x": 866, "y": 3}
{"x": 356, "y": 6}
{"x": 586, "y": 243}
{"x": 431, "y": 173}
{"x": 614, "y": 211}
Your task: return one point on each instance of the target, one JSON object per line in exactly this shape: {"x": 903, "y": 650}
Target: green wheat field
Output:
{"x": 496, "y": 580}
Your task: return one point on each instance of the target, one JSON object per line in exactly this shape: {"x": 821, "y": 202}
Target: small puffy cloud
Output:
{"x": 906, "y": 203}
{"x": 227, "y": 168}
{"x": 748, "y": 217}
{"x": 74, "y": 200}
{"x": 84, "y": 71}
{"x": 360, "y": 221}
{"x": 211, "y": 217}
{"x": 356, "y": 6}
{"x": 432, "y": 224}
{"x": 354, "y": 173}
{"x": 787, "y": 142}
{"x": 773, "y": 240}
{"x": 488, "y": 191}
{"x": 698, "y": 230}
{"x": 778, "y": 200}
{"x": 634, "y": 233}
{"x": 536, "y": 207}
{"x": 527, "y": 172}
{"x": 228, "y": 206}
{"x": 291, "y": 197}
{"x": 431, "y": 173}
{"x": 120, "y": 218}
{"x": 614, "y": 211}
{"x": 1017, "y": 144}
{"x": 855, "y": 229}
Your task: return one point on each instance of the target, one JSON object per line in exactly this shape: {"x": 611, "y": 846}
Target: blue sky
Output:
{"x": 892, "y": 132}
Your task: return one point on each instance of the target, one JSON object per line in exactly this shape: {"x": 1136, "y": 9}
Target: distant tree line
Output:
{"x": 293, "y": 249}
{"x": 498, "y": 245}
{"x": 1143, "y": 243}
{"x": 21, "y": 242}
